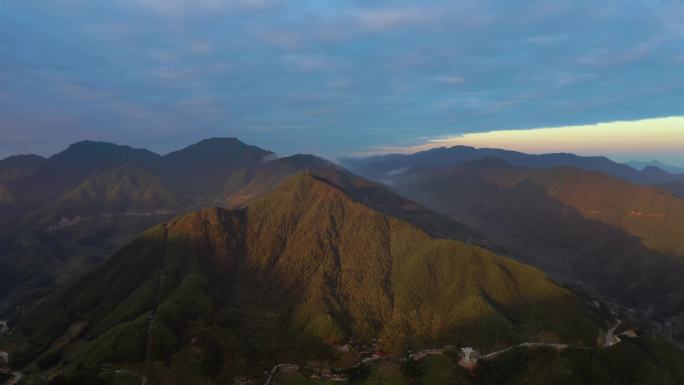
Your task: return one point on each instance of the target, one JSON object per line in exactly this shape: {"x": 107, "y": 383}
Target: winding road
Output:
{"x": 428, "y": 352}
{"x": 15, "y": 380}
{"x": 611, "y": 339}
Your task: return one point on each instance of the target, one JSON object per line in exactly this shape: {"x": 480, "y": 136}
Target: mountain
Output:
{"x": 128, "y": 190}
{"x": 41, "y": 252}
{"x": 267, "y": 175}
{"x": 82, "y": 204}
{"x": 19, "y": 166}
{"x": 202, "y": 169}
{"x": 640, "y": 165}
{"x": 676, "y": 188}
{"x": 6, "y": 197}
{"x": 655, "y": 175}
{"x": 123, "y": 190}
{"x": 583, "y": 227}
{"x": 383, "y": 167}
{"x": 270, "y": 173}
{"x": 199, "y": 171}
{"x": 67, "y": 169}
{"x": 219, "y": 294}
{"x": 16, "y": 167}
{"x": 648, "y": 213}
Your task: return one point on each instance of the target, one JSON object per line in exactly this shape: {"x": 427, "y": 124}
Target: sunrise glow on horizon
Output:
{"x": 646, "y": 139}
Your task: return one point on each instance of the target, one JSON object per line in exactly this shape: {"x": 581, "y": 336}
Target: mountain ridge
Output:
{"x": 589, "y": 228}
{"x": 377, "y": 167}
{"x": 357, "y": 272}
{"x": 102, "y": 209}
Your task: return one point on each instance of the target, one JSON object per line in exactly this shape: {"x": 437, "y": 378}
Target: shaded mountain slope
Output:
{"x": 296, "y": 270}
{"x": 125, "y": 189}
{"x": 676, "y": 188}
{"x": 109, "y": 206}
{"x": 616, "y": 237}
{"x": 202, "y": 169}
{"x": 199, "y": 170}
{"x": 36, "y": 262}
{"x": 67, "y": 169}
{"x": 6, "y": 197}
{"x": 107, "y": 194}
{"x": 269, "y": 174}
{"x": 19, "y": 166}
{"x": 648, "y": 213}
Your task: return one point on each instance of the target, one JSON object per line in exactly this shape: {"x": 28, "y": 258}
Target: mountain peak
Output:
{"x": 654, "y": 170}
{"x": 307, "y": 185}
{"x": 93, "y": 145}
{"x": 22, "y": 159}
{"x": 204, "y": 167}
{"x": 642, "y": 165}
{"x": 219, "y": 147}
{"x": 221, "y": 141}
{"x": 93, "y": 153}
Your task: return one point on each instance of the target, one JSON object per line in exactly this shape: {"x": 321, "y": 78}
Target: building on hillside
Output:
{"x": 469, "y": 355}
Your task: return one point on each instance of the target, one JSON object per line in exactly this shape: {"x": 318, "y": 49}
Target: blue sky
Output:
{"x": 329, "y": 77}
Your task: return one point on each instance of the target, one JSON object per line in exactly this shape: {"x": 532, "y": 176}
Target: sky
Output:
{"x": 343, "y": 77}
{"x": 622, "y": 141}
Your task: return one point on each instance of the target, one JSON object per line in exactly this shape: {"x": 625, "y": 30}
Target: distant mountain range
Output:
{"x": 584, "y": 227}
{"x": 199, "y": 169}
{"x": 83, "y": 203}
{"x": 216, "y": 262}
{"x": 380, "y": 167}
{"x": 640, "y": 165}
{"x": 80, "y": 205}
{"x": 284, "y": 279}
{"x": 591, "y": 226}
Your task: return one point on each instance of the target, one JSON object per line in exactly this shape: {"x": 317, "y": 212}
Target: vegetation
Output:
{"x": 296, "y": 270}
{"x": 620, "y": 238}
{"x": 101, "y": 195}
{"x": 637, "y": 361}
{"x": 125, "y": 189}
{"x": 288, "y": 276}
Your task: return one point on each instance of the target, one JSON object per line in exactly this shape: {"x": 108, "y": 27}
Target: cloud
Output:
{"x": 391, "y": 18}
{"x": 199, "y": 47}
{"x": 309, "y": 62}
{"x": 624, "y": 139}
{"x": 546, "y": 40}
{"x": 450, "y": 80}
{"x": 392, "y": 69}
{"x": 179, "y": 8}
{"x": 277, "y": 37}
{"x": 606, "y": 57}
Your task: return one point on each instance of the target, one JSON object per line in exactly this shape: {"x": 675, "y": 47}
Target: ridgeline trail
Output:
{"x": 153, "y": 316}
